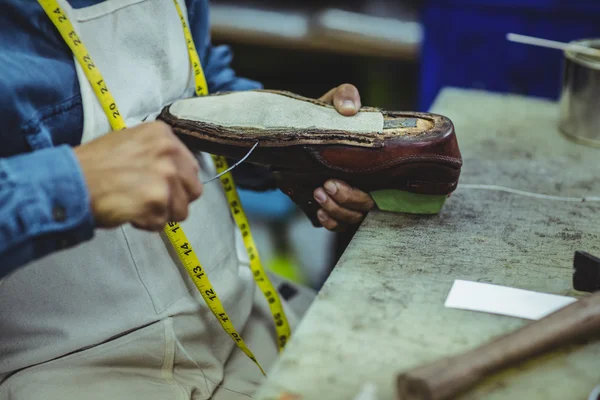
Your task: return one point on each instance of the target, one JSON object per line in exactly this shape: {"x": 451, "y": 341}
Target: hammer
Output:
{"x": 445, "y": 379}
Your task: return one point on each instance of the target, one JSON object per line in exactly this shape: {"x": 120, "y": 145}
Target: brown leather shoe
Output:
{"x": 408, "y": 161}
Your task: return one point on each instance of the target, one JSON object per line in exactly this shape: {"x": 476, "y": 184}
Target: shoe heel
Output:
{"x": 405, "y": 202}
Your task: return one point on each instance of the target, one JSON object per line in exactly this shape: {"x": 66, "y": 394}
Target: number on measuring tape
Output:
{"x": 113, "y": 108}
{"x": 61, "y": 16}
{"x": 258, "y": 276}
{"x": 237, "y": 338}
{"x": 173, "y": 225}
{"x": 250, "y": 250}
{"x": 270, "y": 297}
{"x": 198, "y": 271}
{"x": 219, "y": 163}
{"x": 90, "y": 64}
{"x": 235, "y": 207}
{"x": 74, "y": 38}
{"x": 282, "y": 341}
{"x": 210, "y": 293}
{"x": 226, "y": 182}
{"x": 187, "y": 248}
{"x": 102, "y": 86}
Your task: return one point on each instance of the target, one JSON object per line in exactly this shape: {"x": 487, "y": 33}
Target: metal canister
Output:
{"x": 580, "y": 96}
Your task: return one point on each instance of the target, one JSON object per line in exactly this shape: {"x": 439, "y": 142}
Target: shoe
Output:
{"x": 408, "y": 161}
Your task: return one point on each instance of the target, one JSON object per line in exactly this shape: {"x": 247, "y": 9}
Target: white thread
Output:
{"x": 230, "y": 168}
{"x": 528, "y": 194}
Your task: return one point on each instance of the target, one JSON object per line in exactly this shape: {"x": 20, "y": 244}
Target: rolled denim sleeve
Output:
{"x": 219, "y": 74}
{"x": 44, "y": 206}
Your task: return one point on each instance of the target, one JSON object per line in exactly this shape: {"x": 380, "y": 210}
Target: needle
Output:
{"x": 232, "y": 167}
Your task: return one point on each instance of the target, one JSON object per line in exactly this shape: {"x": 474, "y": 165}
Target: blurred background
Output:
{"x": 399, "y": 53}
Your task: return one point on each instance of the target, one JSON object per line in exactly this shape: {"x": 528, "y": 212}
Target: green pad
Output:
{"x": 405, "y": 202}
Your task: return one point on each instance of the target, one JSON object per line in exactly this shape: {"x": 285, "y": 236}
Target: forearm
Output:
{"x": 44, "y": 206}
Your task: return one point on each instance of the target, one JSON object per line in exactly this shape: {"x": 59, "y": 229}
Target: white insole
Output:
{"x": 265, "y": 110}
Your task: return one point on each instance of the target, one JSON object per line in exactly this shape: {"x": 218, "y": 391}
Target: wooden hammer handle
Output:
{"x": 446, "y": 378}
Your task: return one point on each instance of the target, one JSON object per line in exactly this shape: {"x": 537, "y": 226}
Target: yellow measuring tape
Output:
{"x": 173, "y": 230}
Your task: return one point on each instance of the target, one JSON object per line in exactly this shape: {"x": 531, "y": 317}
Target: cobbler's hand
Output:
{"x": 342, "y": 205}
{"x": 144, "y": 176}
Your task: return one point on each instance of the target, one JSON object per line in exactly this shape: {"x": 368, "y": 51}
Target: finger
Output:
{"x": 151, "y": 222}
{"x": 346, "y": 99}
{"x": 178, "y": 206}
{"x": 179, "y": 148}
{"x": 155, "y": 211}
{"x": 328, "y": 222}
{"x": 328, "y": 97}
{"x": 186, "y": 165}
{"x": 146, "y": 226}
{"x": 188, "y": 175}
{"x": 349, "y": 197}
{"x": 335, "y": 211}
{"x": 187, "y": 155}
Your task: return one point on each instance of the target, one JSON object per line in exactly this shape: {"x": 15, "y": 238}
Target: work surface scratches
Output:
{"x": 382, "y": 309}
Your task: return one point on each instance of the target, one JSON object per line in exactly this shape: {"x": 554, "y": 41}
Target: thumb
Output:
{"x": 346, "y": 99}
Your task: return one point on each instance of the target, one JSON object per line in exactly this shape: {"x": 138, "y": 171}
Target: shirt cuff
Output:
{"x": 50, "y": 202}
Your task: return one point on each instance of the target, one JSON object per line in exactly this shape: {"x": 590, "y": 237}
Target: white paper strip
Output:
{"x": 503, "y": 300}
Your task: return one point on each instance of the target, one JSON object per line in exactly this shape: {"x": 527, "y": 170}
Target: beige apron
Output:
{"x": 126, "y": 283}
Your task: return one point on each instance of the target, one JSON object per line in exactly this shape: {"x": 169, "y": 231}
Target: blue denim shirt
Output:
{"x": 44, "y": 203}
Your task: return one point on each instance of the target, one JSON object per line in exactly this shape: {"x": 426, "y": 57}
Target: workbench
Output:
{"x": 382, "y": 310}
